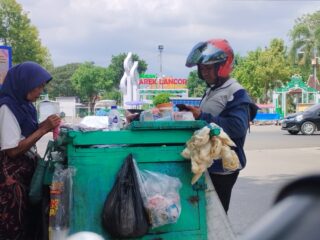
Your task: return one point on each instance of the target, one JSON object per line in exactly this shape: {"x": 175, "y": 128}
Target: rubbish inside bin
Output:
{"x": 85, "y": 236}
{"x": 95, "y": 122}
{"x": 123, "y": 212}
{"x": 160, "y": 195}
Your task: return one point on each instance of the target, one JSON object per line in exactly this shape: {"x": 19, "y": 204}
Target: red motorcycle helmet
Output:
{"x": 214, "y": 51}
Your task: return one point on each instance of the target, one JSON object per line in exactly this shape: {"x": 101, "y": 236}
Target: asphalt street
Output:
{"x": 274, "y": 158}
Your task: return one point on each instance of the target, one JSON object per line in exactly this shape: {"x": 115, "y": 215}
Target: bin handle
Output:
{"x": 50, "y": 145}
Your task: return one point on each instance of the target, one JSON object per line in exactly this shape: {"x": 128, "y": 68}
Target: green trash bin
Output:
{"x": 156, "y": 146}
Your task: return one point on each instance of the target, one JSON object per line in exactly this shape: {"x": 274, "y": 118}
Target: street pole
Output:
{"x": 160, "y": 48}
{"x": 314, "y": 65}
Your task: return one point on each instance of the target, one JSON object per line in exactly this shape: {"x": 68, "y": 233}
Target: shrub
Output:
{"x": 161, "y": 98}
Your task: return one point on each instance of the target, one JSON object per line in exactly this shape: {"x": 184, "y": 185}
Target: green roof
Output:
{"x": 296, "y": 83}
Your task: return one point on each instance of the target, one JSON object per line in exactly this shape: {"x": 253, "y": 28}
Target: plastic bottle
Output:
{"x": 114, "y": 119}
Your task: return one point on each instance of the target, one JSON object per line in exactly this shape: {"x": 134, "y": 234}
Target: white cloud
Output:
{"x": 86, "y": 30}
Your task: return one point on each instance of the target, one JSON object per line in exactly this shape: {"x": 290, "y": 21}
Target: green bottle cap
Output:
{"x": 214, "y": 131}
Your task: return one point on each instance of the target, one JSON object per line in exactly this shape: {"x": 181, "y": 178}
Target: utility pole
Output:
{"x": 314, "y": 65}
{"x": 160, "y": 48}
{"x": 314, "y": 61}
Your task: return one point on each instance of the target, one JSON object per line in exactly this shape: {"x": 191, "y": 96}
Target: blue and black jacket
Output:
{"x": 235, "y": 121}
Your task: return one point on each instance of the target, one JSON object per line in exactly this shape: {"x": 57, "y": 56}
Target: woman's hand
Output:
{"x": 50, "y": 123}
{"x": 24, "y": 145}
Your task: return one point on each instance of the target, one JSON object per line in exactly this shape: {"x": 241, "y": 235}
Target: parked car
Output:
{"x": 307, "y": 121}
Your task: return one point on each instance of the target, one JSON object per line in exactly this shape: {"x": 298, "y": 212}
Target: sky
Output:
{"x": 96, "y": 30}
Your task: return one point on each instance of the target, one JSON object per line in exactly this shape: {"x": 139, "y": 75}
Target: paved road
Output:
{"x": 274, "y": 159}
{"x": 272, "y": 137}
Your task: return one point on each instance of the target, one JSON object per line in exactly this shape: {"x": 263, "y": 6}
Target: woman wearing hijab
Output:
{"x": 19, "y": 132}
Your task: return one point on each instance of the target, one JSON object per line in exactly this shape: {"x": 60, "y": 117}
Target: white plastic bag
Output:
{"x": 160, "y": 196}
{"x": 94, "y": 123}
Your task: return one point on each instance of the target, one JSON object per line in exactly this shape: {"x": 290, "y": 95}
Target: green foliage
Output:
{"x": 263, "y": 70}
{"x": 305, "y": 37}
{"x": 61, "y": 81}
{"x": 90, "y": 82}
{"x": 16, "y": 31}
{"x": 116, "y": 69}
{"x": 245, "y": 73}
{"x": 161, "y": 98}
{"x": 195, "y": 85}
{"x": 112, "y": 94}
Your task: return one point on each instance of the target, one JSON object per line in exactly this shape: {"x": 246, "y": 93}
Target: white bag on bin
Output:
{"x": 160, "y": 196}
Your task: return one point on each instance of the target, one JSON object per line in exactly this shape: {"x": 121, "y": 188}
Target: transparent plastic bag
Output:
{"x": 60, "y": 202}
{"x": 160, "y": 196}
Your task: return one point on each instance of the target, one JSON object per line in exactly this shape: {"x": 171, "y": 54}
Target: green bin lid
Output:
{"x": 148, "y": 125}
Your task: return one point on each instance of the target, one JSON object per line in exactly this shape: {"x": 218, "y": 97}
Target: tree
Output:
{"x": 195, "y": 85}
{"x": 245, "y": 72}
{"x": 112, "y": 94}
{"x": 61, "y": 84}
{"x": 276, "y": 70}
{"x": 16, "y": 31}
{"x": 263, "y": 70}
{"x": 305, "y": 37}
{"x": 90, "y": 82}
{"x": 116, "y": 69}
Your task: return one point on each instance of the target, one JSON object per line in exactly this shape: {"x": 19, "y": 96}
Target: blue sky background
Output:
{"x": 94, "y": 30}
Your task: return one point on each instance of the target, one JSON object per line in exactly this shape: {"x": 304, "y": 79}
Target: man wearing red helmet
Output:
{"x": 225, "y": 103}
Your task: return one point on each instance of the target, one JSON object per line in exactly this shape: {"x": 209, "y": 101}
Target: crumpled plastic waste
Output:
{"x": 160, "y": 196}
{"x": 203, "y": 149}
{"x": 88, "y": 124}
{"x": 163, "y": 209}
{"x": 85, "y": 235}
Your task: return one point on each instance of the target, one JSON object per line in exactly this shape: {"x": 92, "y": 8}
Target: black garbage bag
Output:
{"x": 123, "y": 213}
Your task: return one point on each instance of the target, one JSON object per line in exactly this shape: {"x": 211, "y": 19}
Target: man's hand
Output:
{"x": 131, "y": 116}
{"x": 195, "y": 111}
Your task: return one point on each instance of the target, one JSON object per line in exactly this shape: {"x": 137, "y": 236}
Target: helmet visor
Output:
{"x": 204, "y": 53}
